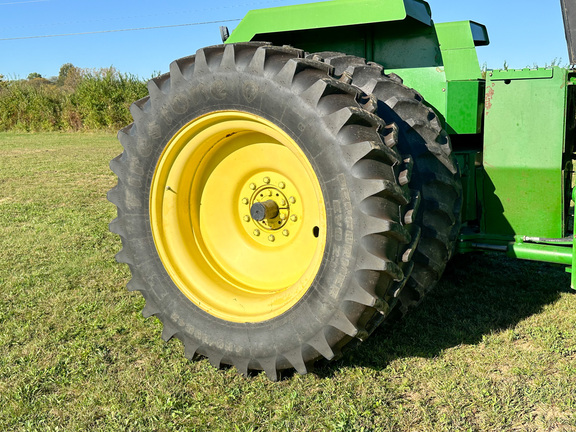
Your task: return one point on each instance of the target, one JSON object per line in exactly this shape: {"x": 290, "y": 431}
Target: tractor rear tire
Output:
{"x": 434, "y": 177}
{"x": 261, "y": 208}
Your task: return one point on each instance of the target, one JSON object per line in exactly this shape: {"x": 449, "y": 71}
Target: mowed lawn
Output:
{"x": 493, "y": 348}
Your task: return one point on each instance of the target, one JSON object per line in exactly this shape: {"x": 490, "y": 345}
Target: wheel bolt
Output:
{"x": 246, "y": 218}
{"x": 256, "y": 232}
{"x": 245, "y": 201}
{"x": 271, "y": 238}
{"x": 286, "y": 233}
{"x": 266, "y": 180}
{"x": 252, "y": 186}
{"x": 293, "y": 218}
{"x": 292, "y": 200}
{"x": 281, "y": 185}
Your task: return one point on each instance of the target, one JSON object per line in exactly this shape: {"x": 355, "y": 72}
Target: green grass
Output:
{"x": 493, "y": 348}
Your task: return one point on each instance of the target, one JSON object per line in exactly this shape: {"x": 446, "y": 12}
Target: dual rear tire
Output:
{"x": 242, "y": 127}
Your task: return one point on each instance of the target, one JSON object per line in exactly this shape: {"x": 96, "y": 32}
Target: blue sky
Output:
{"x": 522, "y": 32}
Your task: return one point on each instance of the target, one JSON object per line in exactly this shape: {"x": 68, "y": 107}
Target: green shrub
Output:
{"x": 29, "y": 106}
{"x": 78, "y": 100}
{"x": 103, "y": 98}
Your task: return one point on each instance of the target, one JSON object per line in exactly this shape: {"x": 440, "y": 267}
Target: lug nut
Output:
{"x": 271, "y": 238}
{"x": 266, "y": 180}
{"x": 282, "y": 216}
{"x": 292, "y": 200}
{"x": 286, "y": 233}
{"x": 293, "y": 218}
{"x": 246, "y": 218}
{"x": 252, "y": 186}
{"x": 256, "y": 232}
{"x": 281, "y": 185}
{"x": 282, "y": 203}
{"x": 245, "y": 201}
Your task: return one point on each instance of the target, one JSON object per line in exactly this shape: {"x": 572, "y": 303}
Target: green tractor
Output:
{"x": 282, "y": 194}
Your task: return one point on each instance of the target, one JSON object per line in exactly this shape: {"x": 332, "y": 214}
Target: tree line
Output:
{"x": 77, "y": 99}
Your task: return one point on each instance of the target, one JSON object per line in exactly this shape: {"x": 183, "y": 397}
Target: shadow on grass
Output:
{"x": 478, "y": 294}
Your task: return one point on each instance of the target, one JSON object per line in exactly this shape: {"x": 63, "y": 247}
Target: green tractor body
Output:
{"x": 512, "y": 131}
{"x": 438, "y": 60}
{"x": 284, "y": 193}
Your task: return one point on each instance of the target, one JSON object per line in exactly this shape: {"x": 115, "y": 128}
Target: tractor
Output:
{"x": 281, "y": 195}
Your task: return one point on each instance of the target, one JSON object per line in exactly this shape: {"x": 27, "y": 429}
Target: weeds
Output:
{"x": 77, "y": 100}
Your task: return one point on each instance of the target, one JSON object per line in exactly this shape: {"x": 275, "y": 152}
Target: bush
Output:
{"x": 77, "y": 100}
{"x": 27, "y": 106}
{"x": 103, "y": 97}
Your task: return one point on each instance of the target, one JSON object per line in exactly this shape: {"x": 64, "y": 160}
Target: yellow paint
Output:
{"x": 198, "y": 214}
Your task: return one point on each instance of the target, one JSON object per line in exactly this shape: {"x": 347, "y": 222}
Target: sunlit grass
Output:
{"x": 492, "y": 349}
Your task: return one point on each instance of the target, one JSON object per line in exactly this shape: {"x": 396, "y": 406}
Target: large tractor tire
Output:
{"x": 262, "y": 207}
{"x": 435, "y": 180}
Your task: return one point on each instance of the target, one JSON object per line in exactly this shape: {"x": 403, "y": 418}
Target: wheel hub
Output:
{"x": 270, "y": 209}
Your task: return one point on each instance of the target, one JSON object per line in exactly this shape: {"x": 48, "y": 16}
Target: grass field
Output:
{"x": 493, "y": 348}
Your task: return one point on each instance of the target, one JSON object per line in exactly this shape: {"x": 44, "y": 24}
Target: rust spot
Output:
{"x": 488, "y": 101}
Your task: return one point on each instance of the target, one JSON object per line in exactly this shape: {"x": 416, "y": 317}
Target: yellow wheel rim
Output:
{"x": 210, "y": 181}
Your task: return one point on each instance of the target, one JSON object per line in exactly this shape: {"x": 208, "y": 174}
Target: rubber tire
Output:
{"x": 434, "y": 177}
{"x": 353, "y": 153}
